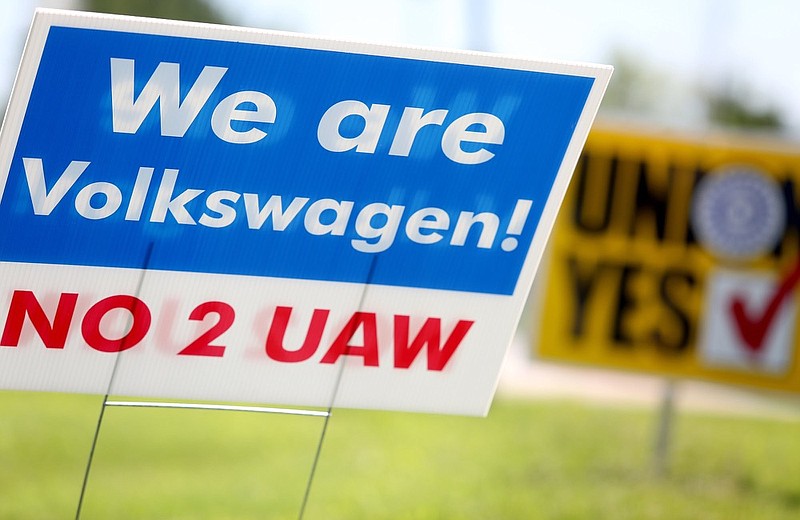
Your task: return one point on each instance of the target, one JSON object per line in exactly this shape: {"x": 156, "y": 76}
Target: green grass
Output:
{"x": 528, "y": 460}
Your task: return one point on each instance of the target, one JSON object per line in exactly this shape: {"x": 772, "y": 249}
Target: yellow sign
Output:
{"x": 678, "y": 257}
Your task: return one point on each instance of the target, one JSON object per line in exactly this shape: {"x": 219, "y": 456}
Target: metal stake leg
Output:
{"x": 664, "y": 432}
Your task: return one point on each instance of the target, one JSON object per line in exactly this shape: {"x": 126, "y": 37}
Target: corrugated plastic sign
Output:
{"x": 265, "y": 217}
{"x": 679, "y": 256}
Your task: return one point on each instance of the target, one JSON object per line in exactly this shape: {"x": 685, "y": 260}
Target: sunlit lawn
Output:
{"x": 527, "y": 460}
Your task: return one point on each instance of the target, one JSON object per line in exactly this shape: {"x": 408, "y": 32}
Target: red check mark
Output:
{"x": 753, "y": 329}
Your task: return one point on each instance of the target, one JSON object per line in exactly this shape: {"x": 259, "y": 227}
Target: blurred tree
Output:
{"x": 730, "y": 109}
{"x": 191, "y": 10}
{"x": 634, "y": 87}
{"x": 638, "y": 90}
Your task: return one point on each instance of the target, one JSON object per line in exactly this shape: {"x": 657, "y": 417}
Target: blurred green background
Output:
{"x": 541, "y": 459}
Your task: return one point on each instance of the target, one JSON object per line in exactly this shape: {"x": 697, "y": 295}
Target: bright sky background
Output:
{"x": 690, "y": 43}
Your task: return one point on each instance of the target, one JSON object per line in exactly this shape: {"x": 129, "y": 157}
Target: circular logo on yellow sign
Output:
{"x": 738, "y": 213}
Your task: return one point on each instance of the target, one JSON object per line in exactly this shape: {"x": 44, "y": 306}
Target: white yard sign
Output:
{"x": 203, "y": 212}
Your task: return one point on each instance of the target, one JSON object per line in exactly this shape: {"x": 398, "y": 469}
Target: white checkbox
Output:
{"x": 721, "y": 342}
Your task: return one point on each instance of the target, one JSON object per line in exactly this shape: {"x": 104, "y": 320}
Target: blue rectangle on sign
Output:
{"x": 268, "y": 160}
